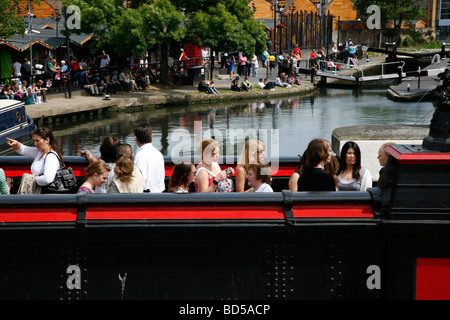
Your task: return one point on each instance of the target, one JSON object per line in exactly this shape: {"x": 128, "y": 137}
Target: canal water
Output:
{"x": 286, "y": 124}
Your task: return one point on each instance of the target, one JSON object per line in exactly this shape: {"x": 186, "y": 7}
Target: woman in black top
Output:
{"x": 314, "y": 177}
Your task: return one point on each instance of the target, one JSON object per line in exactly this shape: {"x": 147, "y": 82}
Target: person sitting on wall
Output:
{"x": 204, "y": 87}
{"x": 246, "y": 85}
{"x": 235, "y": 84}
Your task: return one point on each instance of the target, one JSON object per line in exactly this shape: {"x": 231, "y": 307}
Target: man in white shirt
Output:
{"x": 149, "y": 160}
{"x": 104, "y": 62}
{"x": 15, "y": 70}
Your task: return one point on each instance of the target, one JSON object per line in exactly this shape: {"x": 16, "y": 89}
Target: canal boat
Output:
{"x": 388, "y": 242}
{"x": 14, "y": 123}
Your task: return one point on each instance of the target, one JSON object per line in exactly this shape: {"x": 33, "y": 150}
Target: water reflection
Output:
{"x": 297, "y": 120}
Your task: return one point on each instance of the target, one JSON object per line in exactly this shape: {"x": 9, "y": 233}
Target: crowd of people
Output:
{"x": 118, "y": 170}
{"x": 30, "y": 81}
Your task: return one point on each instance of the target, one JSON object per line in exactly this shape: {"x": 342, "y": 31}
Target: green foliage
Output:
{"x": 220, "y": 24}
{"x": 434, "y": 44}
{"x": 392, "y": 10}
{"x": 407, "y": 42}
{"x": 10, "y": 22}
{"x": 226, "y": 25}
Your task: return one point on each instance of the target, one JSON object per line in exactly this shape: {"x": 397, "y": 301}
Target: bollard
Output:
{"x": 408, "y": 87}
{"x": 418, "y": 82}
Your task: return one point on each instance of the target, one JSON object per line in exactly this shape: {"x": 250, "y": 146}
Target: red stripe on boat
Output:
{"x": 419, "y": 158}
{"x": 432, "y": 279}
{"x": 38, "y": 214}
{"x": 333, "y": 211}
{"x": 184, "y": 212}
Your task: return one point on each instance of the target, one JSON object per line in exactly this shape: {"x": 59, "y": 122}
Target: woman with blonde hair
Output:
{"x": 127, "y": 177}
{"x": 96, "y": 174}
{"x": 209, "y": 173}
{"x": 253, "y": 153}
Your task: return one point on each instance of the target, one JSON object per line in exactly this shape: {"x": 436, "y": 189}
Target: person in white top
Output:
{"x": 351, "y": 176}
{"x": 259, "y": 177}
{"x": 149, "y": 160}
{"x": 46, "y": 157}
{"x": 208, "y": 173}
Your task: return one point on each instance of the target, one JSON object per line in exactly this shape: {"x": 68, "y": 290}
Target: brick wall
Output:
{"x": 342, "y": 8}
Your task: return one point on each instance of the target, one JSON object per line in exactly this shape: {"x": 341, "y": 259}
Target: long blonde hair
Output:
{"x": 247, "y": 155}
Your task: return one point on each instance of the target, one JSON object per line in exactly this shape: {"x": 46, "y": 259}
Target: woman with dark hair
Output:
{"x": 182, "y": 176}
{"x": 259, "y": 177}
{"x": 314, "y": 177}
{"x": 108, "y": 154}
{"x": 351, "y": 176}
{"x": 127, "y": 178}
{"x": 46, "y": 155}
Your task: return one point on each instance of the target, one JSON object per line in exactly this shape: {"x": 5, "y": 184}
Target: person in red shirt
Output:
{"x": 182, "y": 59}
{"x": 75, "y": 69}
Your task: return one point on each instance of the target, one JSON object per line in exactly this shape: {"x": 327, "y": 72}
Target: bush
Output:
{"x": 407, "y": 42}
{"x": 434, "y": 44}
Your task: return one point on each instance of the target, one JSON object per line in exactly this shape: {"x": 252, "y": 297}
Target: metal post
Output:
{"x": 275, "y": 5}
{"x": 211, "y": 62}
{"x": 418, "y": 82}
{"x": 69, "y": 87}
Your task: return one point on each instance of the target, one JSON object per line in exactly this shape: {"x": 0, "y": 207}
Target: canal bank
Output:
{"x": 153, "y": 97}
{"x": 58, "y": 106}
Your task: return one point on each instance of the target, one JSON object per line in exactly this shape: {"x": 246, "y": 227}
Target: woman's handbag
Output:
{"x": 65, "y": 180}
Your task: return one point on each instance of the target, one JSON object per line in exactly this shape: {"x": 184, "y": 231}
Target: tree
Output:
{"x": 224, "y": 25}
{"x": 11, "y": 23}
{"x": 395, "y": 10}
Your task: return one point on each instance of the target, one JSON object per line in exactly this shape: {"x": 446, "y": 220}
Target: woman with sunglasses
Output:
{"x": 182, "y": 176}
{"x": 253, "y": 153}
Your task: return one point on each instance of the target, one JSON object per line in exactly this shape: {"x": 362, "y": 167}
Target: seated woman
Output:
{"x": 351, "y": 176}
{"x": 281, "y": 81}
{"x": 5, "y": 183}
{"x": 6, "y": 92}
{"x": 182, "y": 176}
{"x": 235, "y": 85}
{"x": 292, "y": 80}
{"x": 96, "y": 175}
{"x": 127, "y": 178}
{"x": 314, "y": 177}
{"x": 259, "y": 178}
{"x": 246, "y": 85}
{"x": 46, "y": 156}
{"x": 108, "y": 154}
{"x": 252, "y": 153}
{"x": 204, "y": 87}
{"x": 293, "y": 179}
{"x": 209, "y": 173}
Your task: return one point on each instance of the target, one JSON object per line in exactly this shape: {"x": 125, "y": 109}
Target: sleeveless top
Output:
{"x": 210, "y": 180}
{"x": 351, "y": 185}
